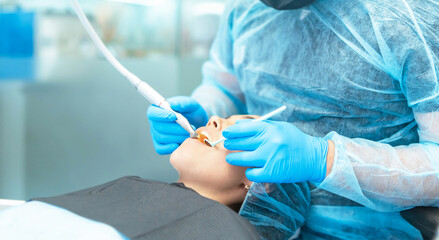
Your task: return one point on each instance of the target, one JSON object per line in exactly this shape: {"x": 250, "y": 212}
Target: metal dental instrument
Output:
{"x": 265, "y": 117}
{"x": 142, "y": 87}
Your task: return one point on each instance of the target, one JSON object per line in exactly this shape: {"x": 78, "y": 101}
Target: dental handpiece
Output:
{"x": 142, "y": 87}
{"x": 265, "y": 117}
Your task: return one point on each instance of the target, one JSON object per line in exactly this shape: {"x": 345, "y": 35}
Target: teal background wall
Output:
{"x": 61, "y": 136}
{"x": 73, "y": 121}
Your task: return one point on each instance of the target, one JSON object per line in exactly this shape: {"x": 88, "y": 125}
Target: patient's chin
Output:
{"x": 181, "y": 156}
{"x": 174, "y": 159}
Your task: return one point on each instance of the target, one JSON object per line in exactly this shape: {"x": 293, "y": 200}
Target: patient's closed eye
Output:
{"x": 243, "y": 117}
{"x": 248, "y": 117}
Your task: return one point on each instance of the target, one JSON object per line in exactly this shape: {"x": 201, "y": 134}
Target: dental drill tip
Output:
{"x": 194, "y": 135}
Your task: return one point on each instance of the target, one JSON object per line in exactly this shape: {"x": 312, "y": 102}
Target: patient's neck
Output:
{"x": 232, "y": 198}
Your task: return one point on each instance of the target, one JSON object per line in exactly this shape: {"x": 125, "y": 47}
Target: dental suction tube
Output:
{"x": 142, "y": 87}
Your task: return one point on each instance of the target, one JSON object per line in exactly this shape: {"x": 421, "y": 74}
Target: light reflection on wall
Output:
{"x": 131, "y": 28}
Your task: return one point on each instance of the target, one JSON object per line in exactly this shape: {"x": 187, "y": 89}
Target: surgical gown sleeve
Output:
{"x": 277, "y": 211}
{"x": 394, "y": 178}
{"x": 220, "y": 93}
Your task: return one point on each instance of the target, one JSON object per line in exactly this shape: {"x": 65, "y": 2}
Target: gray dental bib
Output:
{"x": 144, "y": 209}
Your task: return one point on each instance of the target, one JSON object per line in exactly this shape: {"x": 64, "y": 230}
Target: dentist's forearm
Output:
{"x": 364, "y": 170}
{"x": 330, "y": 157}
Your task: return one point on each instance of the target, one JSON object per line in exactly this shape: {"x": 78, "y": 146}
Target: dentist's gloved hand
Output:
{"x": 167, "y": 135}
{"x": 276, "y": 152}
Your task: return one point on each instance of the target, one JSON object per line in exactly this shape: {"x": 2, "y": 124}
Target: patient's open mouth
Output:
{"x": 203, "y": 136}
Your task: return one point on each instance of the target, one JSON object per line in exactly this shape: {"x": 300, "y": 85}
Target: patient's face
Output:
{"x": 205, "y": 169}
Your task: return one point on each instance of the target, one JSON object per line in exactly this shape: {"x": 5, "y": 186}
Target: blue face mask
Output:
{"x": 287, "y": 4}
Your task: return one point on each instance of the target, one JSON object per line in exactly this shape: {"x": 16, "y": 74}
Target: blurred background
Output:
{"x": 68, "y": 120}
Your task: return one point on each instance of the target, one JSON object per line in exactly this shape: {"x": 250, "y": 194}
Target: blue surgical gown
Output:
{"x": 362, "y": 73}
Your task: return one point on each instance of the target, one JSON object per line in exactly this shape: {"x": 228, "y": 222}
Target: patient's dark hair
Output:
{"x": 235, "y": 207}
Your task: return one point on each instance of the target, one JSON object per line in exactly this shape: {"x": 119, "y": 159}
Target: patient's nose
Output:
{"x": 215, "y": 122}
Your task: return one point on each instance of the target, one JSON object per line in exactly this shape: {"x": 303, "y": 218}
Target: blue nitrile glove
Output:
{"x": 276, "y": 152}
{"x": 167, "y": 135}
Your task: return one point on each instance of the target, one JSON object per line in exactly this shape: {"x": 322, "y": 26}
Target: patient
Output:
{"x": 138, "y": 208}
{"x": 204, "y": 168}
{"x": 276, "y": 210}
